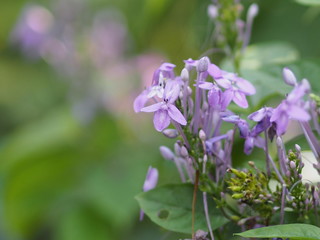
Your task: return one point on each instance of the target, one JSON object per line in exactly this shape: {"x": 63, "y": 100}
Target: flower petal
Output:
{"x": 282, "y": 124}
{"x": 298, "y": 113}
{"x": 152, "y": 108}
{"x": 140, "y": 101}
{"x": 161, "y": 120}
{"x": 240, "y": 99}
{"x": 206, "y": 85}
{"x": 223, "y": 82}
{"x": 245, "y": 86}
{"x": 227, "y": 97}
{"x": 171, "y": 91}
{"x": 176, "y": 115}
{"x": 214, "y": 71}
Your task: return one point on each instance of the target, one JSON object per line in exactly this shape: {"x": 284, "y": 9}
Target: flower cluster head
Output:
{"x": 168, "y": 90}
{"x": 196, "y": 103}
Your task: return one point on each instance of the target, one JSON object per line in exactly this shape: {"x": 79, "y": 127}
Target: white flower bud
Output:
{"x": 166, "y": 153}
{"x": 177, "y": 149}
{"x": 253, "y": 11}
{"x": 212, "y": 11}
{"x": 288, "y": 77}
{"x": 184, "y": 74}
{"x": 202, "y": 135}
{"x": 292, "y": 164}
{"x": 170, "y": 133}
{"x": 184, "y": 152}
{"x": 279, "y": 142}
{"x": 203, "y": 64}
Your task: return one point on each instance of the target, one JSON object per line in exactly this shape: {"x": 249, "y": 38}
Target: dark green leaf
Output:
{"x": 292, "y": 231}
{"x": 170, "y": 207}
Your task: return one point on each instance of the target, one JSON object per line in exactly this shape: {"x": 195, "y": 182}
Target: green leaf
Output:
{"x": 170, "y": 207}
{"x": 309, "y": 2}
{"x": 292, "y": 231}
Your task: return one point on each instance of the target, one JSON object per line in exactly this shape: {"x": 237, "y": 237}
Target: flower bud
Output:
{"x": 292, "y": 164}
{"x": 288, "y": 173}
{"x": 184, "y": 74}
{"x": 288, "y": 77}
{"x": 237, "y": 196}
{"x": 253, "y": 11}
{"x": 202, "y": 135}
{"x": 189, "y": 90}
{"x": 170, "y": 133}
{"x": 212, "y": 11}
{"x": 297, "y": 147}
{"x": 166, "y": 153}
{"x": 203, "y": 64}
{"x": 177, "y": 149}
{"x": 184, "y": 152}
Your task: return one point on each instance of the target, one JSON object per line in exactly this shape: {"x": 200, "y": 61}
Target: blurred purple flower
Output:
{"x": 150, "y": 183}
{"x": 33, "y": 29}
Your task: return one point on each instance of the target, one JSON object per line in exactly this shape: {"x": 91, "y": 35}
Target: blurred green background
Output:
{"x": 73, "y": 154}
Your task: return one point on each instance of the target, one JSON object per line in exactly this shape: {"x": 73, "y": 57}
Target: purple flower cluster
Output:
{"x": 201, "y": 104}
{"x": 198, "y": 110}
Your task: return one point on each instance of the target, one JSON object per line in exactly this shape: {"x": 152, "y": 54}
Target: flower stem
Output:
{"x": 194, "y": 200}
{"x": 267, "y": 153}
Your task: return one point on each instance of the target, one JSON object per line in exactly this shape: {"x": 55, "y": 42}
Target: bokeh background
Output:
{"x": 73, "y": 154}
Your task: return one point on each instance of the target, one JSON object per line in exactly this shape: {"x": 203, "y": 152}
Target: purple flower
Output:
{"x": 262, "y": 116}
{"x": 167, "y": 71}
{"x": 291, "y": 108}
{"x": 190, "y": 64}
{"x": 166, "y": 110}
{"x": 251, "y": 137}
{"x": 237, "y": 88}
{"x": 150, "y": 183}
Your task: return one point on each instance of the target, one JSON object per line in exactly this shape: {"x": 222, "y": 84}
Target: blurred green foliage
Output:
{"x": 62, "y": 179}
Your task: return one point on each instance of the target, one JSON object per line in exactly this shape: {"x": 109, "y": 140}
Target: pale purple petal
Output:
{"x": 151, "y": 179}
{"x": 214, "y": 71}
{"x": 282, "y": 124}
{"x": 171, "y": 91}
{"x": 176, "y": 115}
{"x": 277, "y": 112}
{"x": 161, "y": 120}
{"x": 258, "y": 115}
{"x": 231, "y": 119}
{"x": 223, "y": 82}
{"x": 298, "y": 113}
{"x": 190, "y": 64}
{"x": 240, "y": 99}
{"x": 245, "y": 86}
{"x": 215, "y": 97}
{"x": 259, "y": 142}
{"x": 299, "y": 91}
{"x": 248, "y": 145}
{"x": 206, "y": 85}
{"x": 227, "y": 97}
{"x": 152, "y": 108}
{"x": 167, "y": 67}
{"x": 140, "y": 101}
{"x": 243, "y": 128}
{"x": 155, "y": 78}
